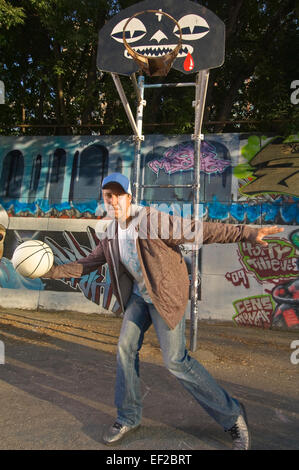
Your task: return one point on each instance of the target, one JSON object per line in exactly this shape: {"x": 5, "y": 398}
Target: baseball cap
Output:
{"x": 122, "y": 180}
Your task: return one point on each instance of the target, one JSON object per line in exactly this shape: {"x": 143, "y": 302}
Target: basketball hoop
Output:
{"x": 154, "y": 66}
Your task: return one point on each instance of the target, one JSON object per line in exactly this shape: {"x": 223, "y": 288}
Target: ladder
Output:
{"x": 201, "y": 85}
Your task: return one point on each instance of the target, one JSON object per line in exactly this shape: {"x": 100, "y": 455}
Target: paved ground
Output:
{"x": 56, "y": 386}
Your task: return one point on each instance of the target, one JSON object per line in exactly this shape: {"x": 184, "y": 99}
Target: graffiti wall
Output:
{"x": 51, "y": 190}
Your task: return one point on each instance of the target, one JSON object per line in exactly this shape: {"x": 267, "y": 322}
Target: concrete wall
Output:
{"x": 50, "y": 190}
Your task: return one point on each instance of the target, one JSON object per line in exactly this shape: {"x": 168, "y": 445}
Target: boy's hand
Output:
{"x": 264, "y": 232}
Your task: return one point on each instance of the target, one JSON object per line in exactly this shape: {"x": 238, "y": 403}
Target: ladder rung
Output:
{"x": 166, "y": 185}
{"x": 175, "y": 85}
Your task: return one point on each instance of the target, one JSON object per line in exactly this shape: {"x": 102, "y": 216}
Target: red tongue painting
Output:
{"x": 189, "y": 63}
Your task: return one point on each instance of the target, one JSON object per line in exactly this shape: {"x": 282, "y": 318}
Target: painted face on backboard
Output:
{"x": 154, "y": 34}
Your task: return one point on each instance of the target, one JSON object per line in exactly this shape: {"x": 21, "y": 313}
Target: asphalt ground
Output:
{"x": 57, "y": 386}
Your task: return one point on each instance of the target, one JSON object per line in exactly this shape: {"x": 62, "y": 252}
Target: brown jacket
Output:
{"x": 162, "y": 263}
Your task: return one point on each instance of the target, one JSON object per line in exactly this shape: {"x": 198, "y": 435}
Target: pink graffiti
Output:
{"x": 181, "y": 157}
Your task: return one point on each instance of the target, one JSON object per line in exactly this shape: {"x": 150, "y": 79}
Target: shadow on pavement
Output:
{"x": 77, "y": 381}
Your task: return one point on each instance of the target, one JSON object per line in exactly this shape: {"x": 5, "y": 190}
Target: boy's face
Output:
{"x": 116, "y": 201}
{"x": 2, "y": 238}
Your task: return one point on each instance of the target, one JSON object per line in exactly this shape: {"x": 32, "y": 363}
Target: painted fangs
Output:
{"x": 157, "y": 51}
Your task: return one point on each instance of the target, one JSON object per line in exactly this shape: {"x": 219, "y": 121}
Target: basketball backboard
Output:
{"x": 154, "y": 34}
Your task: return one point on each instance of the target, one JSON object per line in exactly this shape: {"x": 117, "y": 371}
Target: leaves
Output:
{"x": 10, "y": 15}
{"x": 48, "y": 65}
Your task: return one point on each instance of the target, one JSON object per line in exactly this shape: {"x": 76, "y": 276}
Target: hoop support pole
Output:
{"x": 137, "y": 156}
{"x": 197, "y": 137}
{"x": 136, "y": 87}
{"x": 201, "y": 86}
{"x": 126, "y": 105}
{"x": 202, "y": 80}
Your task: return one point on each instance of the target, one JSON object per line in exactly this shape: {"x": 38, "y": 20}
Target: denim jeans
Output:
{"x": 193, "y": 376}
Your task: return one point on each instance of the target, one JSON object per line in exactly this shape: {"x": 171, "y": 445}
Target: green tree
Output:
{"x": 10, "y": 15}
{"x": 253, "y": 85}
{"x": 48, "y": 63}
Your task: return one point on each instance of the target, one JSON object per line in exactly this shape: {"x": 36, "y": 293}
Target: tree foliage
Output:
{"x": 10, "y": 15}
{"x": 48, "y": 64}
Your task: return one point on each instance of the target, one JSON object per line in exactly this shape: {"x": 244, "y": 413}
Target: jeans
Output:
{"x": 193, "y": 376}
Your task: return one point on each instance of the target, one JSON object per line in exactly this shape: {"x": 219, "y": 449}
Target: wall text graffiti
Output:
{"x": 238, "y": 277}
{"x": 276, "y": 170}
{"x": 276, "y": 261}
{"x": 254, "y": 311}
{"x": 181, "y": 157}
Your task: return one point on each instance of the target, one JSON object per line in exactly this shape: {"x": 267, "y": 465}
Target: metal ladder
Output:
{"x": 201, "y": 85}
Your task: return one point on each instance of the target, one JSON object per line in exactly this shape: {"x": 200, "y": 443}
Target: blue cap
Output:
{"x": 120, "y": 179}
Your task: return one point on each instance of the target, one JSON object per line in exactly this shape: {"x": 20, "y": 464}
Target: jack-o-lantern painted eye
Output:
{"x": 193, "y": 27}
{"x": 134, "y": 31}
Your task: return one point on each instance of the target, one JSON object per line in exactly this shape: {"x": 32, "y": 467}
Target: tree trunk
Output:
{"x": 228, "y": 102}
{"x": 90, "y": 90}
{"x": 232, "y": 17}
{"x": 61, "y": 111}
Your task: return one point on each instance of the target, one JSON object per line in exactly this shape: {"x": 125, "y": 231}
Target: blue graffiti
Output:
{"x": 64, "y": 178}
{"x": 89, "y": 206}
{"x": 43, "y": 205}
{"x": 10, "y": 279}
{"x": 217, "y": 210}
{"x": 238, "y": 211}
{"x": 270, "y": 212}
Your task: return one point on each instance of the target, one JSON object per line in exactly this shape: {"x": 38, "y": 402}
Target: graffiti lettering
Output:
{"x": 273, "y": 250}
{"x": 277, "y": 170}
{"x": 181, "y": 157}
{"x": 95, "y": 286}
{"x": 274, "y": 265}
{"x": 176, "y": 158}
{"x": 210, "y": 164}
{"x": 254, "y": 311}
{"x": 276, "y": 261}
{"x": 238, "y": 277}
{"x": 276, "y": 177}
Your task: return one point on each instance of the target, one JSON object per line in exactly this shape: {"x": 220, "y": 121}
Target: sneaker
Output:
{"x": 240, "y": 433}
{"x": 117, "y": 432}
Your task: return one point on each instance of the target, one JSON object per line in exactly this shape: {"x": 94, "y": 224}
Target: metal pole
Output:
{"x": 135, "y": 85}
{"x": 138, "y": 140}
{"x": 200, "y": 99}
{"x": 125, "y": 103}
{"x": 199, "y": 104}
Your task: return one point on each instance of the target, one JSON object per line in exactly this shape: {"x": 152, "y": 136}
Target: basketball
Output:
{"x": 32, "y": 259}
